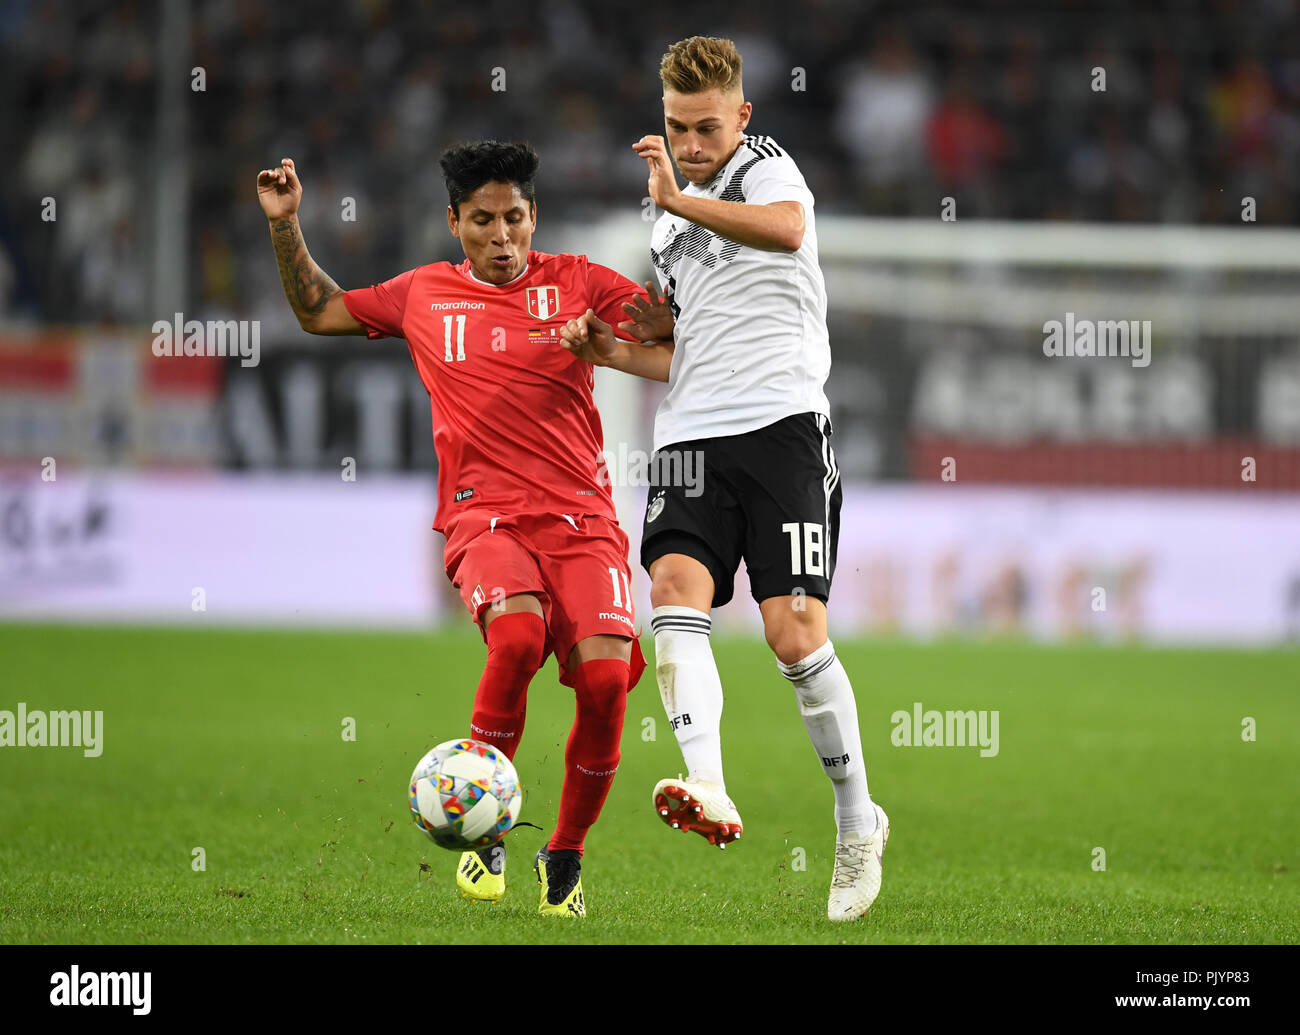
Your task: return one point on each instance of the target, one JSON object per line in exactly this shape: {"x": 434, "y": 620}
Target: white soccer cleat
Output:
{"x": 699, "y": 806}
{"x": 855, "y": 883}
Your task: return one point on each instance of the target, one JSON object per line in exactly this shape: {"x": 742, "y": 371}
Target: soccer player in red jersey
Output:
{"x": 533, "y": 542}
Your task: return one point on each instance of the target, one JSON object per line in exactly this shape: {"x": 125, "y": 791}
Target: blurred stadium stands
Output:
{"x": 987, "y": 101}
{"x": 1115, "y": 204}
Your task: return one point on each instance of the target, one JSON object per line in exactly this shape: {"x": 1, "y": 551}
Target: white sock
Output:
{"x": 830, "y": 715}
{"x": 690, "y": 687}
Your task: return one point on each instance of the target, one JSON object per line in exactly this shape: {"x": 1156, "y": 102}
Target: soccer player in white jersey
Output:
{"x": 736, "y": 253}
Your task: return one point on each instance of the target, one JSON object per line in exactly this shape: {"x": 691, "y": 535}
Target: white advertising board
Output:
{"x": 921, "y": 561}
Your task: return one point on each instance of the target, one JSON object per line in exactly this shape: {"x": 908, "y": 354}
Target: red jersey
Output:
{"x": 514, "y": 423}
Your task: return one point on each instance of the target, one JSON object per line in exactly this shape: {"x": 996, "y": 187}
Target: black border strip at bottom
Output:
{"x": 465, "y": 984}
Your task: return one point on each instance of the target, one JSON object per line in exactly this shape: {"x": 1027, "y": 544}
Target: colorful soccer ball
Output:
{"x": 465, "y": 795}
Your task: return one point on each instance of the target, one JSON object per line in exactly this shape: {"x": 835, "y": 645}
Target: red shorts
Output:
{"x": 576, "y": 566}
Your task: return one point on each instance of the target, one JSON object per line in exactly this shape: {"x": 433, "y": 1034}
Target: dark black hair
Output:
{"x": 468, "y": 166}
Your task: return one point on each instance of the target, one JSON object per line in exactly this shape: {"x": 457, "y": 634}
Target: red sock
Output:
{"x": 515, "y": 643}
{"x": 592, "y": 755}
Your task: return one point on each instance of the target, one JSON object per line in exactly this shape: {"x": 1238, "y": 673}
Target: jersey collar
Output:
{"x": 487, "y": 283}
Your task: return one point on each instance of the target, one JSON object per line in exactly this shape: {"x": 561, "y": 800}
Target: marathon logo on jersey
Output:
{"x": 464, "y": 494}
{"x": 543, "y": 302}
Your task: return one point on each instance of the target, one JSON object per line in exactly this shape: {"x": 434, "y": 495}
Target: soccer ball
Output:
{"x": 465, "y": 795}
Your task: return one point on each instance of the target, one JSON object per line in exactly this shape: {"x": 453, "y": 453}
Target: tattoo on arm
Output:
{"x": 307, "y": 287}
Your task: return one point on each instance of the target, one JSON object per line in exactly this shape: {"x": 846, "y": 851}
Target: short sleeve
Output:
{"x": 381, "y": 309}
{"x": 776, "y": 179}
{"x": 607, "y": 290}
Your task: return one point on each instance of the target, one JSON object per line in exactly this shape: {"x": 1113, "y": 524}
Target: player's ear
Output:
{"x": 532, "y": 213}
{"x": 453, "y": 224}
{"x": 746, "y": 109}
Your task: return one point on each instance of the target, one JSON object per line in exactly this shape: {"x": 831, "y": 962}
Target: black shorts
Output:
{"x": 771, "y": 496}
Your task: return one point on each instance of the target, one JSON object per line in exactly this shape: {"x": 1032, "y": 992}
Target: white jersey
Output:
{"x": 752, "y": 346}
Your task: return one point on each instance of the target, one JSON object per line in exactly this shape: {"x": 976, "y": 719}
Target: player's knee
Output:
{"x": 680, "y": 585}
{"x": 602, "y": 693}
{"x": 792, "y": 640}
{"x": 668, "y": 589}
{"x": 517, "y": 640}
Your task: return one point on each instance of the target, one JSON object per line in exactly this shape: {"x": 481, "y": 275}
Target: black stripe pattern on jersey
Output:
{"x": 764, "y": 146}
{"x": 704, "y": 246}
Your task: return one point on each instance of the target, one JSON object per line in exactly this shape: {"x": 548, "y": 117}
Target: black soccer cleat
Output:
{"x": 559, "y": 873}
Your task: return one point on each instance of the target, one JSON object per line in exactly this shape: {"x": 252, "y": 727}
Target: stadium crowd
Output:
{"x": 887, "y": 107}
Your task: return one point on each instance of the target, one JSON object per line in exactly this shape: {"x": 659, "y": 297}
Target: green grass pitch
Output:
{"x": 231, "y": 741}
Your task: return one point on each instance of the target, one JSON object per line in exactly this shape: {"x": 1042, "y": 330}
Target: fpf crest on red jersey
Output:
{"x": 543, "y": 302}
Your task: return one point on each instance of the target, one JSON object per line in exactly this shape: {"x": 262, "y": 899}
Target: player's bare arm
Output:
{"x": 317, "y": 301}
{"x": 591, "y": 339}
{"x": 778, "y": 227}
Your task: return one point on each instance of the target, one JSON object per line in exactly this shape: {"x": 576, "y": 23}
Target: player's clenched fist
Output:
{"x": 662, "y": 185}
{"x": 590, "y": 338}
{"x": 279, "y": 190}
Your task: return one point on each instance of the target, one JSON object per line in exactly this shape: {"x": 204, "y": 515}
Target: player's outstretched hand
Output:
{"x": 279, "y": 190}
{"x": 590, "y": 338}
{"x": 649, "y": 318}
{"x": 663, "y": 181}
